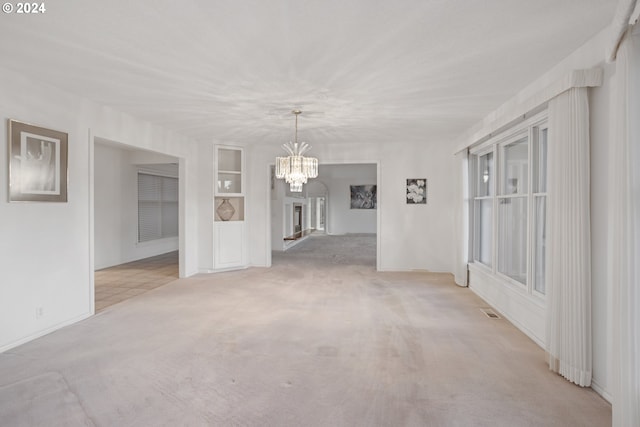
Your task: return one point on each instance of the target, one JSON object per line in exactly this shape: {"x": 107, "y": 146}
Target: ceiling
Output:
{"x": 360, "y": 70}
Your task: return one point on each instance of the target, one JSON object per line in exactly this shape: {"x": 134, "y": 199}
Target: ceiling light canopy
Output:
{"x": 295, "y": 168}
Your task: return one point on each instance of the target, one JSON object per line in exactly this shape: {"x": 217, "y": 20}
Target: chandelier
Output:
{"x": 295, "y": 168}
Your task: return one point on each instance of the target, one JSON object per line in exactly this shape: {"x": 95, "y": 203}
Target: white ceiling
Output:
{"x": 361, "y": 70}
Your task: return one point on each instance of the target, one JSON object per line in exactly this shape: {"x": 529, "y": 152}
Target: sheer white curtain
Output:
{"x": 625, "y": 235}
{"x": 461, "y": 217}
{"x": 568, "y": 274}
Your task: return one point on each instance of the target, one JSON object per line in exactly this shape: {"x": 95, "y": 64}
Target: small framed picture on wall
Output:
{"x": 37, "y": 163}
{"x": 363, "y": 196}
{"x": 416, "y": 191}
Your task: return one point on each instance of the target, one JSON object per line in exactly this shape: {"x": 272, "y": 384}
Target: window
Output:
{"x": 512, "y": 208}
{"x": 483, "y": 209}
{"x": 509, "y": 205}
{"x": 157, "y": 207}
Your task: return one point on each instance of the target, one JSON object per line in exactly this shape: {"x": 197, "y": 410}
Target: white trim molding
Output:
{"x": 518, "y": 109}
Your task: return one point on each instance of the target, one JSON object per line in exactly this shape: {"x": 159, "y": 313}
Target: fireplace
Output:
{"x": 297, "y": 218}
{"x": 296, "y": 223}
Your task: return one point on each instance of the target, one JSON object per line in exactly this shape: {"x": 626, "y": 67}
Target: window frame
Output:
{"x": 531, "y": 128}
{"x": 502, "y": 196}
{"x": 476, "y": 198}
{"x": 536, "y": 129}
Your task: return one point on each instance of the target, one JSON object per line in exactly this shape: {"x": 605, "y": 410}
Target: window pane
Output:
{"x": 540, "y": 244}
{"x": 485, "y": 175}
{"x": 516, "y": 167}
{"x": 149, "y": 187}
{"x": 157, "y": 207}
{"x": 169, "y": 219}
{"x": 483, "y": 234}
{"x": 512, "y": 238}
{"x": 169, "y": 189}
{"x": 540, "y": 159}
{"x": 149, "y": 221}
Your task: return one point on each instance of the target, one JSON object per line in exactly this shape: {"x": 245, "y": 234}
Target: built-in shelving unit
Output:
{"x": 229, "y": 229}
{"x": 229, "y": 181}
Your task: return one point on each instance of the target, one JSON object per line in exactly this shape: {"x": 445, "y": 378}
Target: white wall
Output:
{"x": 341, "y": 219}
{"x": 277, "y": 214}
{"x": 410, "y": 236}
{"x": 109, "y": 184}
{"x": 205, "y": 208}
{"x": 116, "y": 204}
{"x": 46, "y": 248}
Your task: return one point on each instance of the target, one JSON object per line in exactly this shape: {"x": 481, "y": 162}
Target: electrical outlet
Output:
{"x": 39, "y": 312}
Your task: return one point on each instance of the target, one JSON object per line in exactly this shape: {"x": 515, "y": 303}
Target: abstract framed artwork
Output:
{"x": 364, "y": 197}
{"x": 417, "y": 191}
{"x": 38, "y": 159}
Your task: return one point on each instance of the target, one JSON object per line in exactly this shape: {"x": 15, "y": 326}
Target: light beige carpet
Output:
{"x": 320, "y": 339}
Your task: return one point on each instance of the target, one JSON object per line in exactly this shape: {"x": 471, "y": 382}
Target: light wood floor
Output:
{"x": 119, "y": 283}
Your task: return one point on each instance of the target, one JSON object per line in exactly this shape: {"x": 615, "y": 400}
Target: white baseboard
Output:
{"x": 44, "y": 332}
{"x": 601, "y": 391}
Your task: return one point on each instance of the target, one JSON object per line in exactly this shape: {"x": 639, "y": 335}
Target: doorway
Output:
{"x": 135, "y": 221}
{"x": 317, "y": 210}
{"x": 297, "y": 218}
{"x": 327, "y": 205}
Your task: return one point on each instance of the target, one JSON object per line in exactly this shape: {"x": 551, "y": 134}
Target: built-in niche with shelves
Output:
{"x": 229, "y": 209}
{"x": 229, "y": 185}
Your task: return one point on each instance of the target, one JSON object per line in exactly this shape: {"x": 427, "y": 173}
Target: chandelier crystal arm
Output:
{"x": 295, "y": 149}
{"x": 304, "y": 147}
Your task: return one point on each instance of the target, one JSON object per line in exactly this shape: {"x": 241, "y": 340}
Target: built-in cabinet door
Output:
{"x": 229, "y": 244}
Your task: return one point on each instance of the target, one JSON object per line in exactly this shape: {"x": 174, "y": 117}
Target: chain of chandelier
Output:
{"x": 295, "y": 168}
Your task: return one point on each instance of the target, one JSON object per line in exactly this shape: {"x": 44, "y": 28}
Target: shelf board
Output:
{"x": 230, "y": 172}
